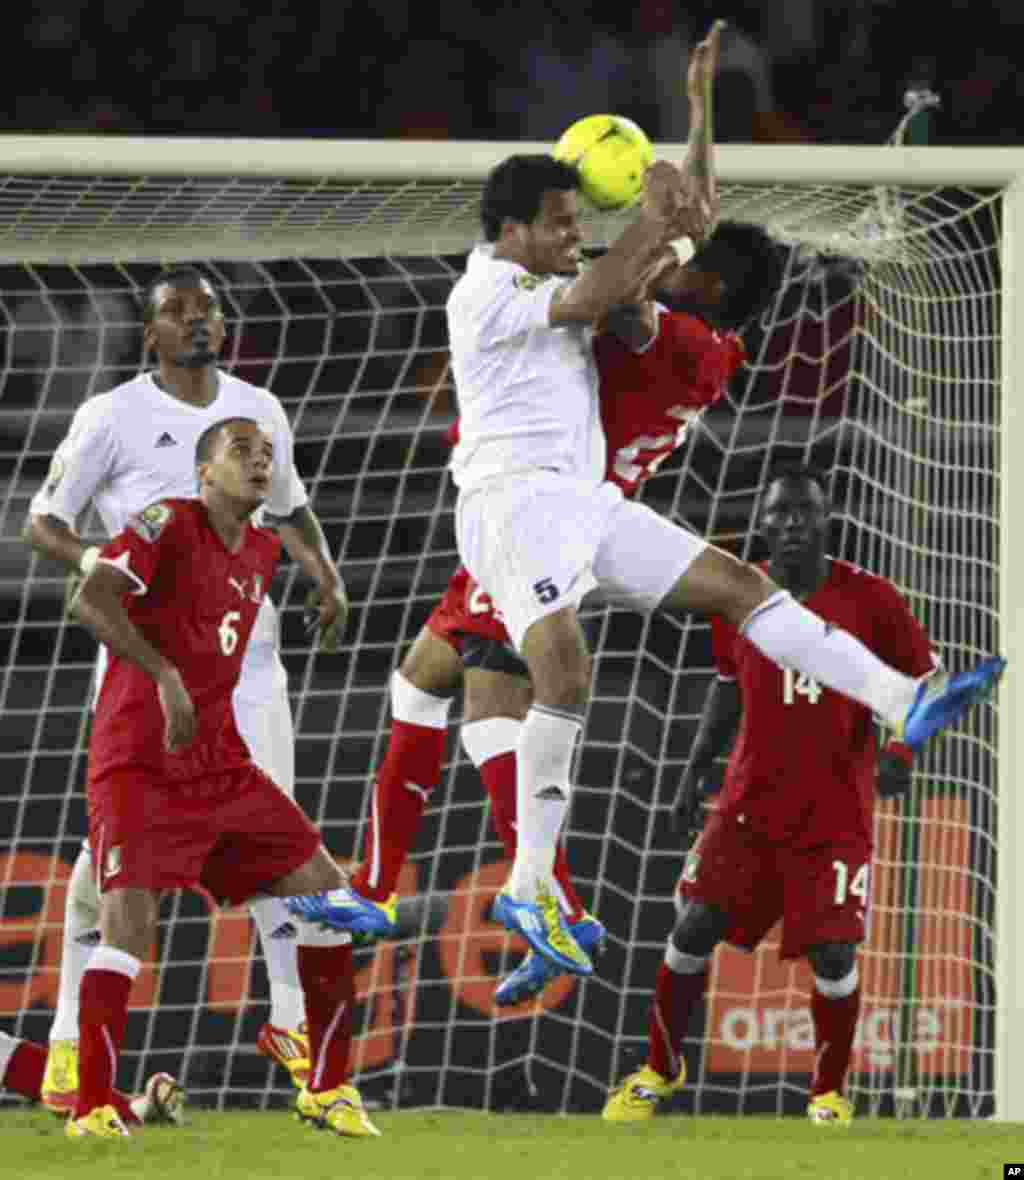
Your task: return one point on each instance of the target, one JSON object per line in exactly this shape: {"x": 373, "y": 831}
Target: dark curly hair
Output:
{"x": 751, "y": 265}
{"x": 514, "y": 189}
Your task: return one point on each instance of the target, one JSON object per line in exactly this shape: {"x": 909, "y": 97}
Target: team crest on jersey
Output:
{"x": 151, "y": 521}
{"x": 54, "y": 475}
{"x": 526, "y": 282}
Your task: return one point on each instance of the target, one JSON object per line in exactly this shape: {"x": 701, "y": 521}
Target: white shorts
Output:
{"x": 539, "y": 541}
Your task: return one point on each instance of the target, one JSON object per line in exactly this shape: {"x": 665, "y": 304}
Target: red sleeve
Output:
{"x": 900, "y": 639}
{"x": 723, "y": 643}
{"x": 148, "y": 536}
{"x": 452, "y": 434}
{"x": 694, "y": 356}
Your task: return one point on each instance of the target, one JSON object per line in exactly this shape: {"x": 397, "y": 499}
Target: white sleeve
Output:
{"x": 80, "y": 465}
{"x": 514, "y": 304}
{"x": 287, "y": 490}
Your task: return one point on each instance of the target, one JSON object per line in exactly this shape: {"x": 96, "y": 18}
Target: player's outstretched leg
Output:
{"x": 942, "y": 699}
{"x": 535, "y": 972}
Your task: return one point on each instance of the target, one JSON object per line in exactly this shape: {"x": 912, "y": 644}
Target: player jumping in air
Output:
{"x": 791, "y": 836}
{"x": 125, "y": 450}
{"x": 174, "y": 798}
{"x": 538, "y": 526}
{"x": 647, "y": 401}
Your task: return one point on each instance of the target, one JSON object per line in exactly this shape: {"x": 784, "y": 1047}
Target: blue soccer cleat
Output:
{"x": 942, "y": 699}
{"x": 535, "y": 972}
{"x": 345, "y": 909}
{"x": 541, "y": 923}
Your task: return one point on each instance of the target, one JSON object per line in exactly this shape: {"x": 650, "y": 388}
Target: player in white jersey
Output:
{"x": 125, "y": 450}
{"x": 538, "y": 527}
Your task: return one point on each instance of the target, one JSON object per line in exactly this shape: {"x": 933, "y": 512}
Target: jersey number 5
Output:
{"x": 226, "y": 632}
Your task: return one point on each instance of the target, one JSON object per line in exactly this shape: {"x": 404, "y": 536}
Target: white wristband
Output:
{"x": 683, "y": 249}
{"x": 87, "y": 562}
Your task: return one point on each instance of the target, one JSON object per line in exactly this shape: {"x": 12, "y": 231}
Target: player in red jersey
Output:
{"x": 791, "y": 835}
{"x": 647, "y": 400}
{"x": 174, "y": 799}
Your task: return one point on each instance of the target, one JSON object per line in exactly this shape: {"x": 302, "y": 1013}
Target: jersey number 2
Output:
{"x": 226, "y": 632}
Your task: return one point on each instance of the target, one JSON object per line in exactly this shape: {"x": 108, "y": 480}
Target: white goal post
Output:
{"x": 74, "y": 201}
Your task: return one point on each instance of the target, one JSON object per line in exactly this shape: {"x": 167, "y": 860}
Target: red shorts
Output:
{"x": 235, "y": 834}
{"x": 466, "y": 610}
{"x": 821, "y": 894}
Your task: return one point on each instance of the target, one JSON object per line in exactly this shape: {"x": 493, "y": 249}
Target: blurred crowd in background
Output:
{"x": 816, "y": 71}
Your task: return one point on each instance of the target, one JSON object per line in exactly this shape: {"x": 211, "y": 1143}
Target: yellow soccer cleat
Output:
{"x": 830, "y": 1108}
{"x": 288, "y": 1047}
{"x": 102, "y": 1122}
{"x": 636, "y": 1098}
{"x": 59, "y": 1091}
{"x": 339, "y": 1110}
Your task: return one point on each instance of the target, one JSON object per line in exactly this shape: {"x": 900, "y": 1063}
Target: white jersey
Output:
{"x": 136, "y": 444}
{"x": 527, "y": 391}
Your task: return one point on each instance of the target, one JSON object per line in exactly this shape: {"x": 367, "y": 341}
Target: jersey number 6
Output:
{"x": 227, "y": 633}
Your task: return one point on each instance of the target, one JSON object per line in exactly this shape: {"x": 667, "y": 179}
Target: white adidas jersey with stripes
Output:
{"x": 136, "y": 444}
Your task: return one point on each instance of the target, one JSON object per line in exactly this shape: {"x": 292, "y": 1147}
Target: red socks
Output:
{"x": 835, "y": 1023}
{"x": 103, "y": 1014}
{"x": 408, "y": 774}
{"x": 675, "y": 996}
{"x": 329, "y": 991}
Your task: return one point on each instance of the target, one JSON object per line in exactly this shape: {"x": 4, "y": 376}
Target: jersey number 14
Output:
{"x": 798, "y": 684}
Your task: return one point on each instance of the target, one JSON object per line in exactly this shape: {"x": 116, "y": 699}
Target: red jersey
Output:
{"x": 803, "y": 768}
{"x": 649, "y": 398}
{"x": 196, "y": 603}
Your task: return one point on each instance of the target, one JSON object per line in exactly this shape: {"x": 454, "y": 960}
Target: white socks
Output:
{"x": 544, "y": 754}
{"x": 794, "y": 637}
{"x": 278, "y": 941}
{"x": 416, "y": 707}
{"x": 490, "y": 738}
{"x": 79, "y": 938}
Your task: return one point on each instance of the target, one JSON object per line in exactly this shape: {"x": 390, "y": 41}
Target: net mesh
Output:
{"x": 878, "y": 361}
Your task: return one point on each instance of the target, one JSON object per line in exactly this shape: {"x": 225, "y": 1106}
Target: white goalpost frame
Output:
{"x": 398, "y": 161}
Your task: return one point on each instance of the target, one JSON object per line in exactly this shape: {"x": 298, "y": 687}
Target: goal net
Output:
{"x": 879, "y": 361}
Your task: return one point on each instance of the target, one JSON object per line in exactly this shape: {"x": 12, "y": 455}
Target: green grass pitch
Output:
{"x": 452, "y": 1145}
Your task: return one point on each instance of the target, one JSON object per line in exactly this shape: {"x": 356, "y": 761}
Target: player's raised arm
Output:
{"x": 698, "y": 167}
{"x": 99, "y": 607}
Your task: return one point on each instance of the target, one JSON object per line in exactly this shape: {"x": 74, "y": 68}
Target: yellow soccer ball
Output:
{"x": 611, "y": 153}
